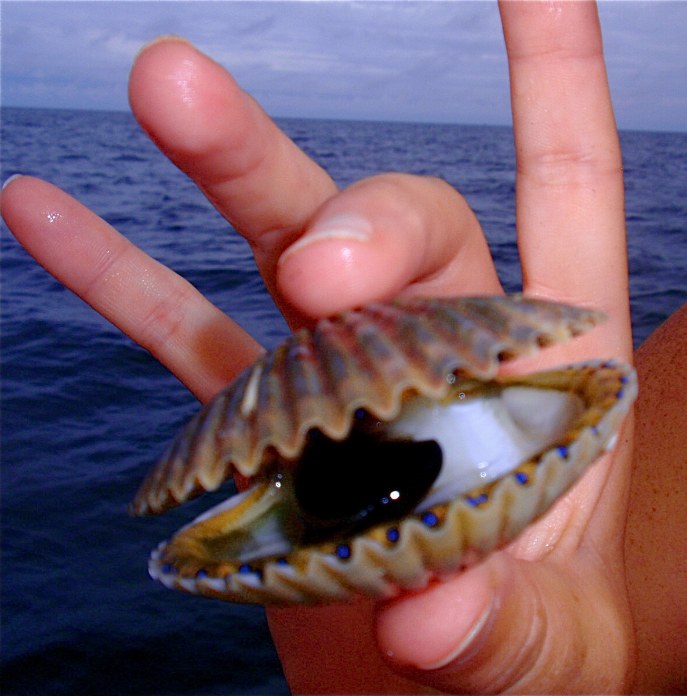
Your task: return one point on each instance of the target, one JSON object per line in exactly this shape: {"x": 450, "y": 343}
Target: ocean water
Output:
{"x": 85, "y": 411}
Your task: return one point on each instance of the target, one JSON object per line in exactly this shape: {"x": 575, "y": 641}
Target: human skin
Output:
{"x": 655, "y": 539}
{"x": 568, "y": 607}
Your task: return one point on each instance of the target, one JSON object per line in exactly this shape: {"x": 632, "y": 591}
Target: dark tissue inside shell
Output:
{"x": 343, "y": 488}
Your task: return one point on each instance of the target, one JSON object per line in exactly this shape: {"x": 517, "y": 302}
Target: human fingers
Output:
{"x": 256, "y": 177}
{"x": 570, "y": 216}
{"x": 513, "y": 626}
{"x": 367, "y": 243}
{"x": 387, "y": 235}
{"x": 151, "y": 304}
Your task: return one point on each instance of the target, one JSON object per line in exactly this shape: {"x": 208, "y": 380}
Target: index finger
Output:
{"x": 570, "y": 215}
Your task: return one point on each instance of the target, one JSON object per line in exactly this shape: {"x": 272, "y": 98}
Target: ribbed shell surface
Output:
{"x": 361, "y": 359}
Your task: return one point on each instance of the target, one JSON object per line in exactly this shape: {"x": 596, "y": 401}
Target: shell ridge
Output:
{"x": 202, "y": 450}
{"x": 233, "y": 432}
{"x": 392, "y": 366}
{"x": 471, "y": 344}
{"x": 308, "y": 387}
{"x": 356, "y": 573}
{"x": 411, "y": 557}
{"x": 347, "y": 353}
{"x": 400, "y": 371}
{"x": 233, "y": 408}
{"x": 431, "y": 353}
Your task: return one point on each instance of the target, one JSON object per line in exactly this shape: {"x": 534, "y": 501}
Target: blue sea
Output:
{"x": 85, "y": 411}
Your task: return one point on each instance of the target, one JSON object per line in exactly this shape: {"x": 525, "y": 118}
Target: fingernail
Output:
{"x": 161, "y": 39}
{"x": 344, "y": 226}
{"x": 470, "y": 644}
{"x": 11, "y": 178}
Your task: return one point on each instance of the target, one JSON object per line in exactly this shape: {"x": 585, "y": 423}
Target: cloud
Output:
{"x": 400, "y": 60}
{"x": 646, "y": 58}
{"x": 440, "y": 61}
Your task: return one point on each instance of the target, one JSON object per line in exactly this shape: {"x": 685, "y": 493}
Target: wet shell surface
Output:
{"x": 383, "y": 451}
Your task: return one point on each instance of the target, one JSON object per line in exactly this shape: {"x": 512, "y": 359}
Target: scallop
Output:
{"x": 383, "y": 451}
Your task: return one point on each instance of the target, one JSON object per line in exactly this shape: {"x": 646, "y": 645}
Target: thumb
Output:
{"x": 382, "y": 236}
{"x": 509, "y": 624}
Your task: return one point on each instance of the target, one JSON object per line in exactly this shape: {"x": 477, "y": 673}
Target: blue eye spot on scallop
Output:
{"x": 430, "y": 519}
{"x": 282, "y": 562}
{"x": 245, "y": 568}
{"x": 343, "y": 551}
{"x": 169, "y": 569}
{"x": 393, "y": 535}
{"x": 563, "y": 451}
{"x": 521, "y": 477}
{"x": 202, "y": 574}
{"x": 477, "y": 500}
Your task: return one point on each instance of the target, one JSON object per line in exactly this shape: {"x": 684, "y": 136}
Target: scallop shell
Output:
{"x": 370, "y": 360}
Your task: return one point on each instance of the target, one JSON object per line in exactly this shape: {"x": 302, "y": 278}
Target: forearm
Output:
{"x": 656, "y": 535}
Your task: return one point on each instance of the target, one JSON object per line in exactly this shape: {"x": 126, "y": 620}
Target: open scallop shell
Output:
{"x": 375, "y": 361}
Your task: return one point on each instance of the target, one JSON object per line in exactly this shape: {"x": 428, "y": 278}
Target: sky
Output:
{"x": 421, "y": 61}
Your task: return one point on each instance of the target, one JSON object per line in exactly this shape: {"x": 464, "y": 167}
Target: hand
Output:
{"x": 548, "y": 614}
